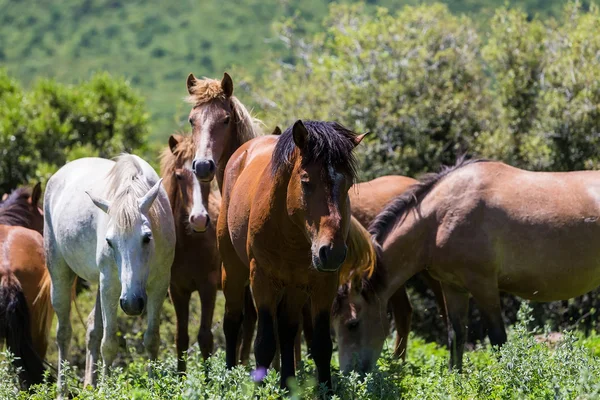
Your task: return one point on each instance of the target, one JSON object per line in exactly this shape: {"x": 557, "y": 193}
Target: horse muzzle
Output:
{"x": 204, "y": 169}
{"x": 199, "y": 223}
{"x": 133, "y": 305}
{"x": 330, "y": 258}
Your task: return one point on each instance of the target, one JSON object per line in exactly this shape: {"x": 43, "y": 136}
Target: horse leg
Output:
{"x": 208, "y": 296}
{"x": 307, "y": 326}
{"x": 248, "y": 326}
{"x": 288, "y": 320}
{"x": 266, "y": 297}
{"x": 402, "y": 310}
{"x": 181, "y": 303}
{"x": 322, "y": 296}
{"x": 62, "y": 281}
{"x": 234, "y": 287}
{"x": 488, "y": 300}
{"x": 457, "y": 309}
{"x": 93, "y": 338}
{"x": 109, "y": 300}
{"x": 156, "y": 298}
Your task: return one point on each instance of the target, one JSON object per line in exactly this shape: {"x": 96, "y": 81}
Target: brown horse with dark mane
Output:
{"x": 25, "y": 308}
{"x": 484, "y": 227}
{"x": 284, "y": 222}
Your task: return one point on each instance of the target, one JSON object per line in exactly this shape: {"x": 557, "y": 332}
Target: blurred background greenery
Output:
{"x": 517, "y": 81}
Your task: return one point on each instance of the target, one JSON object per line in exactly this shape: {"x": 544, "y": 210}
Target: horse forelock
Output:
{"x": 329, "y": 144}
{"x": 397, "y": 209}
{"x": 204, "y": 91}
{"x": 125, "y": 185}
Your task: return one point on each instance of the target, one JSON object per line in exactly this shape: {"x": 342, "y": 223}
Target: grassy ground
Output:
{"x": 526, "y": 367}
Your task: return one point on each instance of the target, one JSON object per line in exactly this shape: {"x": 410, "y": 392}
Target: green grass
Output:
{"x": 526, "y": 367}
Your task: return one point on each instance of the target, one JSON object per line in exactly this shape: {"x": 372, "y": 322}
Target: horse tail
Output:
{"x": 42, "y": 308}
{"x": 361, "y": 258}
{"x": 15, "y": 329}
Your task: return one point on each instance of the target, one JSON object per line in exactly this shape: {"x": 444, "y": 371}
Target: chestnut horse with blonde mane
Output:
{"x": 25, "y": 307}
{"x": 197, "y": 265}
{"x": 284, "y": 222}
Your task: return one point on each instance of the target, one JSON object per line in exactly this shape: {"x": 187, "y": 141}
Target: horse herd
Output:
{"x": 277, "y": 223}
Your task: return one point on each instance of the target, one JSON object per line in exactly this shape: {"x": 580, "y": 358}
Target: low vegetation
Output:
{"x": 530, "y": 366}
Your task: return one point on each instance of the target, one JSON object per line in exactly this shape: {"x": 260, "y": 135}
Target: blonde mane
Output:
{"x": 361, "y": 259}
{"x": 126, "y": 184}
{"x": 207, "y": 90}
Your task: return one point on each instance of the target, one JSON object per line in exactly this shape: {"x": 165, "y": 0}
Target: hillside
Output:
{"x": 155, "y": 44}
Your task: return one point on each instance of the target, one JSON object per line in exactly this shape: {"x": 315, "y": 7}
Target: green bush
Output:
{"x": 42, "y": 129}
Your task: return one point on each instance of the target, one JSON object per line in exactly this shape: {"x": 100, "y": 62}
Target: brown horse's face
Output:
{"x": 194, "y": 200}
{"x": 212, "y": 129}
{"x": 318, "y": 200}
{"x": 361, "y": 328}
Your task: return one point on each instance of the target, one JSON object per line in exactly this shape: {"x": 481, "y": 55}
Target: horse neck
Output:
{"x": 233, "y": 143}
{"x": 406, "y": 250}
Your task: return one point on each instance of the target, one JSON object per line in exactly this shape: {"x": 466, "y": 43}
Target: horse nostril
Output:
{"x": 121, "y": 302}
{"x": 140, "y": 304}
{"x": 324, "y": 254}
{"x": 211, "y": 166}
{"x": 207, "y": 220}
{"x": 194, "y": 165}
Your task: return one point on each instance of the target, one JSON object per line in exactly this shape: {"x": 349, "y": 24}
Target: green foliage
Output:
{"x": 42, "y": 129}
{"x": 527, "y": 366}
{"x": 156, "y": 44}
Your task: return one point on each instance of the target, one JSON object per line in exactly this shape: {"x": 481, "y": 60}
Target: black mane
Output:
{"x": 329, "y": 143}
{"x": 397, "y": 208}
{"x": 16, "y": 210}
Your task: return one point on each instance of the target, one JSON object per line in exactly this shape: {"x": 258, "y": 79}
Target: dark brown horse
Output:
{"x": 484, "y": 227}
{"x": 25, "y": 308}
{"x": 197, "y": 265}
{"x": 285, "y": 218}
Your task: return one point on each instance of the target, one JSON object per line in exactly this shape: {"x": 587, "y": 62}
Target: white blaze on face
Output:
{"x": 198, "y": 216}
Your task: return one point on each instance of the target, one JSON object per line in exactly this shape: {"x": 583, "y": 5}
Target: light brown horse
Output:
{"x": 197, "y": 265}
{"x": 220, "y": 125}
{"x": 25, "y": 308}
{"x": 484, "y": 227}
{"x": 285, "y": 218}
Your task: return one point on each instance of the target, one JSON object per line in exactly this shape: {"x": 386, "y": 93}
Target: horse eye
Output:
{"x": 191, "y": 121}
{"x": 352, "y": 325}
{"x": 147, "y": 238}
{"x": 226, "y": 120}
{"x": 109, "y": 243}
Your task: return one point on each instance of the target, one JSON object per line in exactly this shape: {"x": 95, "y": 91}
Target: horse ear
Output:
{"x": 146, "y": 201}
{"x": 227, "y": 84}
{"x": 100, "y": 203}
{"x": 300, "y": 134}
{"x": 276, "y": 131}
{"x": 359, "y": 138}
{"x": 191, "y": 81}
{"x": 174, "y": 140}
{"x": 36, "y": 194}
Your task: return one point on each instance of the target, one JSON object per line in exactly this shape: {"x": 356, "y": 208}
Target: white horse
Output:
{"x": 108, "y": 222}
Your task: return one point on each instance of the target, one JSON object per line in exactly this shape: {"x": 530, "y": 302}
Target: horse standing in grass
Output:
{"x": 108, "y": 222}
{"x": 485, "y": 227}
{"x": 284, "y": 221}
{"x": 25, "y": 309}
{"x": 220, "y": 125}
{"x": 197, "y": 264}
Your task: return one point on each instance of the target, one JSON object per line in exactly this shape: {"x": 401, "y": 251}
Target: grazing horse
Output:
{"x": 484, "y": 227}
{"x": 220, "y": 125}
{"x": 197, "y": 264}
{"x": 108, "y": 222}
{"x": 284, "y": 221}
{"x": 25, "y": 309}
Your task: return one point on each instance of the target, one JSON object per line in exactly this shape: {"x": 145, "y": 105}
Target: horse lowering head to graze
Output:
{"x": 220, "y": 125}
{"x": 283, "y": 226}
{"x": 108, "y": 222}
{"x": 21, "y": 208}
